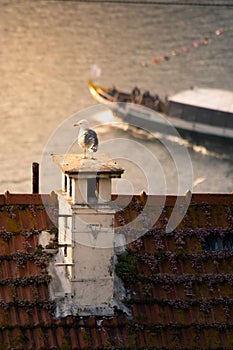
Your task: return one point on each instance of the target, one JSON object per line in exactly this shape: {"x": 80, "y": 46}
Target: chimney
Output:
{"x": 83, "y": 270}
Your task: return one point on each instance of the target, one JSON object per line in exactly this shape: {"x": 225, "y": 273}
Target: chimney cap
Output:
{"x": 76, "y": 164}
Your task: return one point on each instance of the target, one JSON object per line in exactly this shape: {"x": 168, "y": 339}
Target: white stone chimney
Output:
{"x": 83, "y": 270}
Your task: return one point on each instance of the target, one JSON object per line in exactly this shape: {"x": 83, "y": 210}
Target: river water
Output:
{"x": 47, "y": 49}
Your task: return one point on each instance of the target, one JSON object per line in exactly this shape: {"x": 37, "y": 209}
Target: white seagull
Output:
{"x": 87, "y": 138}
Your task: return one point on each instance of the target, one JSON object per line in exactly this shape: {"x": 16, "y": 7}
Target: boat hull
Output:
{"x": 151, "y": 121}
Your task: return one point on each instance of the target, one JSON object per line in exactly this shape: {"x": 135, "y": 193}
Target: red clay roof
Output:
{"x": 24, "y": 299}
{"x": 180, "y": 295}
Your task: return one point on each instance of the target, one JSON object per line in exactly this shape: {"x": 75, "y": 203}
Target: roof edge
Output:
{"x": 170, "y": 200}
{"x": 51, "y": 199}
{"x": 21, "y": 198}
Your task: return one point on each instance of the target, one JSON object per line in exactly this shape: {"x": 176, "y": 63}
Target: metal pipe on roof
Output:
{"x": 35, "y": 177}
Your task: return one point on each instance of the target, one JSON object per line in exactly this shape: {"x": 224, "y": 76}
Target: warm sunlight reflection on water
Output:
{"x": 48, "y": 47}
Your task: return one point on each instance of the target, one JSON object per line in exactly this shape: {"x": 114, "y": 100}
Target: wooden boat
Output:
{"x": 112, "y": 95}
{"x": 197, "y": 111}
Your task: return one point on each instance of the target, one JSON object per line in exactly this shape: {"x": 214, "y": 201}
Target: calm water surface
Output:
{"x": 48, "y": 47}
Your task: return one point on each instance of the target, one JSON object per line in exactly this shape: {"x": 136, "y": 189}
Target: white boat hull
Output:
{"x": 151, "y": 120}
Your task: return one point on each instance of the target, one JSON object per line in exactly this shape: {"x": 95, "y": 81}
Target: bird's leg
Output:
{"x": 85, "y": 153}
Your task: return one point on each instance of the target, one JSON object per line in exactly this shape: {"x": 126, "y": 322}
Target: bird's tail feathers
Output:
{"x": 93, "y": 148}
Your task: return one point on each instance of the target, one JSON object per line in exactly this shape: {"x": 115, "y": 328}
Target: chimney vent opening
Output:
{"x": 92, "y": 190}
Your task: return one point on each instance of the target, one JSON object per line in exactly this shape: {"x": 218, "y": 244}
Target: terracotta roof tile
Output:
{"x": 152, "y": 339}
{"x": 104, "y": 337}
{"x": 116, "y": 337}
{"x": 28, "y": 338}
{"x": 4, "y": 337}
{"x": 74, "y": 338}
{"x": 84, "y": 338}
{"x": 60, "y": 336}
{"x": 42, "y": 292}
{"x": 36, "y": 337}
{"x": 36, "y": 318}
{"x": 45, "y": 317}
{"x": 95, "y": 338}
{"x": 124, "y": 336}
{"x": 109, "y": 322}
{"x": 69, "y": 321}
{"x": 90, "y": 322}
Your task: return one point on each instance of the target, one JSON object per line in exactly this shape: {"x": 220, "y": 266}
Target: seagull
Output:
{"x": 87, "y": 138}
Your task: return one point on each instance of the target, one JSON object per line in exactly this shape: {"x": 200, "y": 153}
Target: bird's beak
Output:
{"x": 76, "y": 124}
